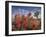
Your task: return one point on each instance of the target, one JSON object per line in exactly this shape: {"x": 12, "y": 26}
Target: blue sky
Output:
{"x": 23, "y": 10}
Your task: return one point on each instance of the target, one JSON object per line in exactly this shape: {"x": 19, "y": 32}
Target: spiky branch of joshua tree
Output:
{"x": 36, "y": 14}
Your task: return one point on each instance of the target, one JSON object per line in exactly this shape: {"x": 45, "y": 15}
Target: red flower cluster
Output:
{"x": 35, "y": 23}
{"x": 25, "y": 22}
{"x": 18, "y": 22}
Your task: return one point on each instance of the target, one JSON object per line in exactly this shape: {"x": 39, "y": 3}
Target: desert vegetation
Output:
{"x": 26, "y": 22}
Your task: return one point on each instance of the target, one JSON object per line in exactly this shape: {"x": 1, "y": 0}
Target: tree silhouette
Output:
{"x": 36, "y": 14}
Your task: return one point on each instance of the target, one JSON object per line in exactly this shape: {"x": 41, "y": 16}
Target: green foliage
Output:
{"x": 36, "y": 14}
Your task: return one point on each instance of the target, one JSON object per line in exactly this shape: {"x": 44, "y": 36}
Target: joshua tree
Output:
{"x": 36, "y": 14}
